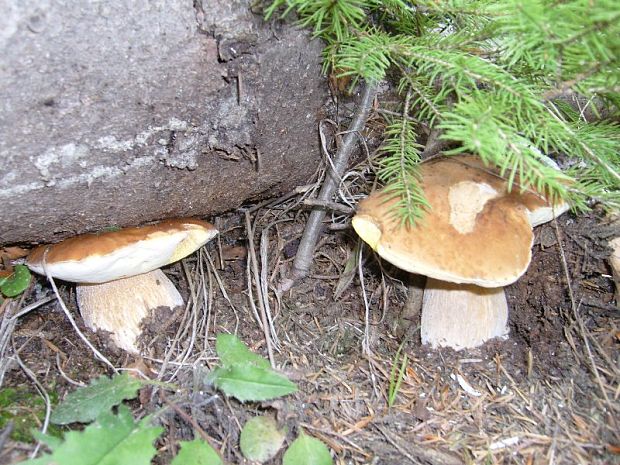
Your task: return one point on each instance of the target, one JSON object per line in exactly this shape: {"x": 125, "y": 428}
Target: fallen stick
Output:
{"x": 305, "y": 252}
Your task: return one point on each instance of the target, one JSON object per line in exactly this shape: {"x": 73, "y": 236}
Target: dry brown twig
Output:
{"x": 414, "y": 452}
{"x": 305, "y": 252}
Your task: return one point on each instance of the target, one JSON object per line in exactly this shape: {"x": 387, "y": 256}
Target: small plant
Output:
{"x": 117, "y": 438}
{"x": 306, "y": 450}
{"x": 197, "y": 452}
{"x": 110, "y": 439}
{"x": 261, "y": 439}
{"x": 397, "y": 373}
{"x": 245, "y": 375}
{"x": 80, "y": 407}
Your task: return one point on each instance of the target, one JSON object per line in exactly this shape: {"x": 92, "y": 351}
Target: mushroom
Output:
{"x": 475, "y": 239}
{"x": 117, "y": 272}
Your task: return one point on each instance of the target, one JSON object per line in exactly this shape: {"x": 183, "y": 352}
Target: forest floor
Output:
{"x": 548, "y": 394}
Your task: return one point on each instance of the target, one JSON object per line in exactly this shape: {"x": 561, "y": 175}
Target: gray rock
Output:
{"x": 119, "y": 113}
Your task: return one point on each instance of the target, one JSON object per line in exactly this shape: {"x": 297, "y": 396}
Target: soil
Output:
{"x": 546, "y": 394}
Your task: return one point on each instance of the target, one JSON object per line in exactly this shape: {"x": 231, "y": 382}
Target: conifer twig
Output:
{"x": 305, "y": 252}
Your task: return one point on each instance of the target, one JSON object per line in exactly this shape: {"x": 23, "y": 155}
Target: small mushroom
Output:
{"x": 475, "y": 239}
{"x": 117, "y": 272}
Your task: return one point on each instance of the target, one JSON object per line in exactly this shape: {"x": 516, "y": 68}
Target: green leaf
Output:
{"x": 87, "y": 403}
{"x": 261, "y": 439}
{"x": 232, "y": 350}
{"x": 111, "y": 440}
{"x": 17, "y": 282}
{"x": 307, "y": 450}
{"x": 196, "y": 452}
{"x": 251, "y": 382}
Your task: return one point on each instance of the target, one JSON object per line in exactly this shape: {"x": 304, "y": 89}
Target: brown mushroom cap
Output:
{"x": 476, "y": 232}
{"x": 103, "y": 257}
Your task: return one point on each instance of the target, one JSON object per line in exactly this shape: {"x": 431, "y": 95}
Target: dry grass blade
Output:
{"x": 366, "y": 340}
{"x": 7, "y": 326}
{"x": 259, "y": 289}
{"x": 221, "y": 287}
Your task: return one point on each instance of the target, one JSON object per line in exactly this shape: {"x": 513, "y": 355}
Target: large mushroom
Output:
{"x": 119, "y": 282}
{"x": 475, "y": 239}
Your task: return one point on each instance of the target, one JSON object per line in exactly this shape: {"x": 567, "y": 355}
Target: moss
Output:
{"x": 26, "y": 409}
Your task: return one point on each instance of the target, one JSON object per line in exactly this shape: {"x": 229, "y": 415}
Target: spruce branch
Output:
{"x": 428, "y": 102}
{"x": 398, "y": 169}
{"x": 480, "y": 129}
{"x": 587, "y": 151}
{"x": 488, "y": 76}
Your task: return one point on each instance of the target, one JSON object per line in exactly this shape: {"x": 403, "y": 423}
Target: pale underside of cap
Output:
{"x": 474, "y": 233}
{"x": 98, "y": 258}
{"x": 462, "y": 316}
{"x": 120, "y": 306}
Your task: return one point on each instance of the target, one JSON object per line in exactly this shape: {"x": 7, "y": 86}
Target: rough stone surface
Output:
{"x": 119, "y": 113}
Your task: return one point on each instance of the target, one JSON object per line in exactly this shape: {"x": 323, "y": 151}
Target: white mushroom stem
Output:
{"x": 462, "y": 316}
{"x": 119, "y": 306}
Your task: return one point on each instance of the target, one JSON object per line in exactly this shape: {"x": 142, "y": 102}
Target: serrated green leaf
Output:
{"x": 251, "y": 382}
{"x": 261, "y": 439}
{"x": 17, "y": 282}
{"x": 196, "y": 452}
{"x": 111, "y": 440}
{"x": 306, "y": 450}
{"x": 87, "y": 403}
{"x": 232, "y": 350}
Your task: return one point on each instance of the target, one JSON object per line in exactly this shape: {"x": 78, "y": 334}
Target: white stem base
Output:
{"x": 462, "y": 316}
{"x": 120, "y": 306}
